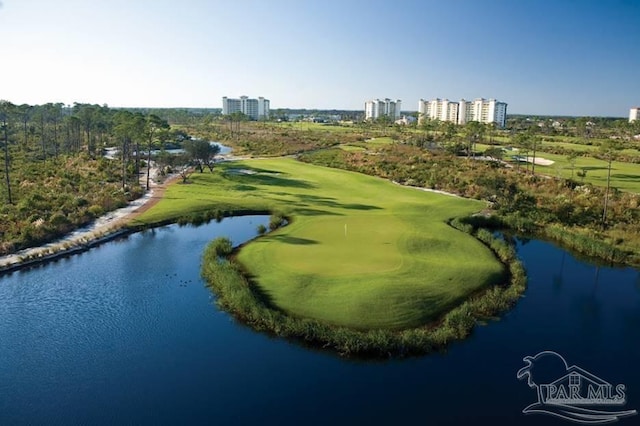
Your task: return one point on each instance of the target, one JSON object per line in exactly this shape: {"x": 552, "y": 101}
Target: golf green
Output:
{"x": 360, "y": 251}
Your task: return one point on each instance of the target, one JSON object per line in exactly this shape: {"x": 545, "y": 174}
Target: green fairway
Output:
{"x": 624, "y": 176}
{"x": 352, "y": 148}
{"x": 379, "y": 141}
{"x": 359, "y": 252}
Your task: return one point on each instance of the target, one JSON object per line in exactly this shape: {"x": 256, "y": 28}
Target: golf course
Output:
{"x": 358, "y": 251}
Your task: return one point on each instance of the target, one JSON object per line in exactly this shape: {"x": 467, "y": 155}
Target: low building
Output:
{"x": 406, "y": 120}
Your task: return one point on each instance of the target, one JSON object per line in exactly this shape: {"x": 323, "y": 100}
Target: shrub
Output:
{"x": 95, "y": 210}
{"x": 276, "y": 221}
{"x": 221, "y": 246}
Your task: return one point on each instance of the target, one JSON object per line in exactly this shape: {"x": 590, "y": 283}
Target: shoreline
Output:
{"x": 105, "y": 228}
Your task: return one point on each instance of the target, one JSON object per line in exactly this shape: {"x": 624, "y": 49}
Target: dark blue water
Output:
{"x": 127, "y": 333}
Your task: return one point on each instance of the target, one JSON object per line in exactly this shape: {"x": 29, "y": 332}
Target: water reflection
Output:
{"x": 127, "y": 333}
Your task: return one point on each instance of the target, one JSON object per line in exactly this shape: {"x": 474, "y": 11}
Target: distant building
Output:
{"x": 255, "y": 109}
{"x": 382, "y": 108}
{"x": 480, "y": 110}
{"x": 405, "y": 120}
{"x": 634, "y": 114}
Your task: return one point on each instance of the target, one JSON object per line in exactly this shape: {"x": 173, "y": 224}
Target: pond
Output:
{"x": 128, "y": 333}
{"x": 112, "y": 152}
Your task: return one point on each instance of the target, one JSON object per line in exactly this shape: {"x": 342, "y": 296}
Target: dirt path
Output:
{"x": 103, "y": 227}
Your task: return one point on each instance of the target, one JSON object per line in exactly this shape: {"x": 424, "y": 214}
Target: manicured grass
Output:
{"x": 624, "y": 176}
{"x": 306, "y": 125}
{"x": 385, "y": 140}
{"x": 351, "y": 147}
{"x": 360, "y": 252}
{"x": 580, "y": 148}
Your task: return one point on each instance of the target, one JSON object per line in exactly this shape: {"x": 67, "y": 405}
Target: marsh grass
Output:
{"x": 244, "y": 300}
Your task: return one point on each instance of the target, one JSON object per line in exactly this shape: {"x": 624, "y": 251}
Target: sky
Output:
{"x": 545, "y": 57}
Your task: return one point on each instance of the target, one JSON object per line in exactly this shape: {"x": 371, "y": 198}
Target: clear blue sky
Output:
{"x": 561, "y": 57}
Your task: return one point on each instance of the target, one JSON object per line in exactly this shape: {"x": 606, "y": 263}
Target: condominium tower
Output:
{"x": 634, "y": 114}
{"x": 480, "y": 110}
{"x": 256, "y": 109}
{"x": 382, "y": 108}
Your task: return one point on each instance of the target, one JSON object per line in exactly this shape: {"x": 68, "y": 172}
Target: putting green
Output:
{"x": 359, "y": 252}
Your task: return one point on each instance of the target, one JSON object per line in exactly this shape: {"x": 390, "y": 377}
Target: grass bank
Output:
{"x": 359, "y": 252}
{"x": 247, "y": 302}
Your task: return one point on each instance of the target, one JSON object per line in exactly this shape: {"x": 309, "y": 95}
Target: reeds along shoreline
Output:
{"x": 242, "y": 298}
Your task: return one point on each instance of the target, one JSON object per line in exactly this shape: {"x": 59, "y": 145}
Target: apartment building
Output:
{"x": 481, "y": 110}
{"x": 255, "y": 109}
{"x": 634, "y": 114}
{"x": 382, "y": 108}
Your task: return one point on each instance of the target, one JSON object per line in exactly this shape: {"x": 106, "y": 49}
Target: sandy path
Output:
{"x": 105, "y": 226}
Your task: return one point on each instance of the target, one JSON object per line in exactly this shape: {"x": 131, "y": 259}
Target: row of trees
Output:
{"x": 35, "y": 134}
{"x": 57, "y": 175}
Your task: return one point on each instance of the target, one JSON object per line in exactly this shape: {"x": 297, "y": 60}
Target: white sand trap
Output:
{"x": 241, "y": 172}
{"x": 540, "y": 161}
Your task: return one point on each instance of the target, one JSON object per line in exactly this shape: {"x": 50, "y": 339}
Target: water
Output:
{"x": 127, "y": 333}
{"x": 112, "y": 152}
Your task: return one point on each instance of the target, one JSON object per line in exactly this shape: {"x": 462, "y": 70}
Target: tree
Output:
{"x": 6, "y": 108}
{"x": 153, "y": 125}
{"x": 523, "y": 142}
{"x": 582, "y": 173}
{"x": 534, "y": 142}
{"x": 608, "y": 148}
{"x": 495, "y": 152}
{"x": 25, "y": 114}
{"x": 201, "y": 153}
{"x": 234, "y": 119}
{"x": 491, "y": 129}
{"x": 128, "y": 129}
{"x": 448, "y": 130}
{"x": 571, "y": 158}
{"x": 85, "y": 114}
{"x": 54, "y": 116}
{"x": 474, "y": 133}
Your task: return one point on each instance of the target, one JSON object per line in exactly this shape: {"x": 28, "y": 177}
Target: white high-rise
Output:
{"x": 253, "y": 108}
{"x": 379, "y": 108}
{"x": 634, "y": 114}
{"x": 480, "y": 110}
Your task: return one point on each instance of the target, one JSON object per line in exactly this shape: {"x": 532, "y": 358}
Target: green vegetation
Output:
{"x": 624, "y": 176}
{"x": 359, "y": 251}
{"x": 524, "y": 202}
{"x": 249, "y": 303}
{"x": 56, "y": 175}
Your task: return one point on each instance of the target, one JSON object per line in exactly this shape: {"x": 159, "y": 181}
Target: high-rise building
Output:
{"x": 634, "y": 114}
{"x": 480, "y": 110}
{"x": 382, "y": 108}
{"x": 256, "y": 109}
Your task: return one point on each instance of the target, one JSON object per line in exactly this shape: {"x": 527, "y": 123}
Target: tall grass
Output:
{"x": 588, "y": 242}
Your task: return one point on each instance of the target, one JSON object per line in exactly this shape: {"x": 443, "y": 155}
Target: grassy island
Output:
{"x": 359, "y": 252}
